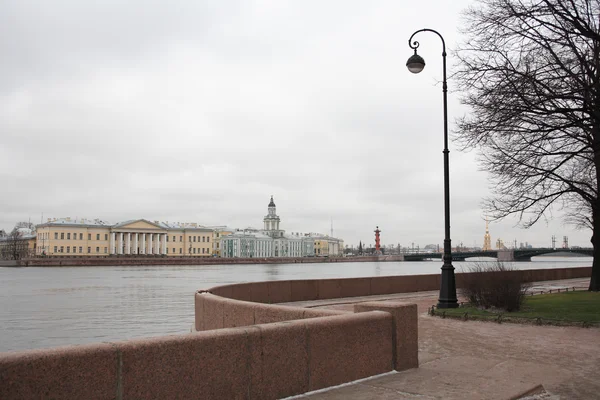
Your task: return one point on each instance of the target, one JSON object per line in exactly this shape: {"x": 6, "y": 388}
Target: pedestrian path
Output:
{"x": 482, "y": 360}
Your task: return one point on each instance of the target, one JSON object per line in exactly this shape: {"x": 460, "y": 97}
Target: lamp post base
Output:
{"x": 448, "y": 288}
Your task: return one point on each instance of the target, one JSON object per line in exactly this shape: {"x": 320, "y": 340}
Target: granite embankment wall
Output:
{"x": 250, "y": 303}
{"x": 267, "y": 361}
{"x": 76, "y": 261}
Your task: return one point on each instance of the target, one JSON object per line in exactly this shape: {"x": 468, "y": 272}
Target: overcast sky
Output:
{"x": 198, "y": 111}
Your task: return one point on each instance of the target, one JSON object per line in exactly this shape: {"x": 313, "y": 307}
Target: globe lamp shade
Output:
{"x": 415, "y": 63}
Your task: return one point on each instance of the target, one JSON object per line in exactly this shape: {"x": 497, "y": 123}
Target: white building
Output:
{"x": 268, "y": 242}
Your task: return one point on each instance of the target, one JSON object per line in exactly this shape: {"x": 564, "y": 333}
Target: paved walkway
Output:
{"x": 483, "y": 360}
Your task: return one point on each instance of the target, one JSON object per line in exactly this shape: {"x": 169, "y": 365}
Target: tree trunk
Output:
{"x": 595, "y": 280}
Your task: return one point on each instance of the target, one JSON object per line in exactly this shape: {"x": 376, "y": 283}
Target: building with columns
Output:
{"x": 271, "y": 241}
{"x": 82, "y": 237}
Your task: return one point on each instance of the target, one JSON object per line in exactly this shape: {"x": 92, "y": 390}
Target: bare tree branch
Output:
{"x": 529, "y": 71}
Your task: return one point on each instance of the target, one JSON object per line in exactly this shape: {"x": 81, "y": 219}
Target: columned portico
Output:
{"x": 157, "y": 245}
{"x": 113, "y": 238}
{"x": 120, "y": 249}
{"x": 128, "y": 244}
{"x": 142, "y": 237}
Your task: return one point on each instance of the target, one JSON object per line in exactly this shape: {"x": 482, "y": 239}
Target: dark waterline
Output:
{"x": 55, "y": 306}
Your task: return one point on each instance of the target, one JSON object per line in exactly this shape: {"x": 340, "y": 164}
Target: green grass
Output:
{"x": 562, "y": 307}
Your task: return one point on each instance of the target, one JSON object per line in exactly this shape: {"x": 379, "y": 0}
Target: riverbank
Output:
{"x": 161, "y": 260}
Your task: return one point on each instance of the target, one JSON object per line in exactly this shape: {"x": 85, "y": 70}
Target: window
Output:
{"x": 181, "y": 238}
{"x": 80, "y": 249}
{"x": 173, "y": 237}
{"x": 208, "y": 239}
{"x": 62, "y": 235}
{"x": 106, "y": 236}
{"x": 167, "y": 249}
{"x": 68, "y": 236}
{"x": 89, "y": 236}
{"x": 62, "y": 249}
{"x": 105, "y": 250}
{"x": 89, "y": 250}
{"x": 203, "y": 238}
{"x": 97, "y": 236}
{"x": 194, "y": 250}
{"x": 55, "y": 235}
{"x": 55, "y": 250}
{"x": 218, "y": 245}
{"x": 194, "y": 238}
{"x": 180, "y": 251}
{"x": 167, "y": 236}
{"x": 97, "y": 249}
{"x": 203, "y": 250}
{"x": 173, "y": 250}
{"x": 74, "y": 235}
{"x": 81, "y": 237}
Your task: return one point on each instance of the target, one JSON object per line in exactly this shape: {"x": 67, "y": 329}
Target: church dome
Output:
{"x": 272, "y": 203}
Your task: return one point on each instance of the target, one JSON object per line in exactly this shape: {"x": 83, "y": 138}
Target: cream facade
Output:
{"x": 61, "y": 237}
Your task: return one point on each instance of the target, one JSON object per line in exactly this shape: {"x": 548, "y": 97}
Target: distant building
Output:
{"x": 20, "y": 243}
{"x": 219, "y": 232}
{"x": 272, "y": 241}
{"x": 83, "y": 237}
{"x": 500, "y": 244}
{"x": 487, "y": 239}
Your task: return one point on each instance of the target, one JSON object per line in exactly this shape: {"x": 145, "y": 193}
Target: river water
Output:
{"x": 55, "y": 306}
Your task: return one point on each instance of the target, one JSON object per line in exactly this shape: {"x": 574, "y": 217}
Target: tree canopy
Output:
{"x": 529, "y": 70}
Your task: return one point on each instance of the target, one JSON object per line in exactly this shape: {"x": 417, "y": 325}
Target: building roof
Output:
{"x": 271, "y": 203}
{"x": 75, "y": 222}
{"x": 83, "y": 222}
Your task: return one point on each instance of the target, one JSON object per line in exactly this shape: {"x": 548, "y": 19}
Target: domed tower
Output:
{"x": 271, "y": 221}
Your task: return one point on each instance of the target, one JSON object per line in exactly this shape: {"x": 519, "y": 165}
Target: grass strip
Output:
{"x": 566, "y": 307}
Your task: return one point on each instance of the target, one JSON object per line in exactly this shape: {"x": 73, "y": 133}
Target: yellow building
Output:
{"x": 327, "y": 245}
{"x": 219, "y": 232}
{"x": 82, "y": 237}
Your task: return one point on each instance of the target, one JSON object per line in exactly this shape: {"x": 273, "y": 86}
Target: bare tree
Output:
{"x": 14, "y": 246}
{"x": 530, "y": 72}
{"x": 25, "y": 224}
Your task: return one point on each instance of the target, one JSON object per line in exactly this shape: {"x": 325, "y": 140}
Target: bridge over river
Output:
{"x": 503, "y": 255}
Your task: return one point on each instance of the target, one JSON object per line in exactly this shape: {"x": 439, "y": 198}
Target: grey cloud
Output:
{"x": 201, "y": 110}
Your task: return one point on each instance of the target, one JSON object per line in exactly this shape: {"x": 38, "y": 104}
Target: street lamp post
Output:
{"x": 415, "y": 65}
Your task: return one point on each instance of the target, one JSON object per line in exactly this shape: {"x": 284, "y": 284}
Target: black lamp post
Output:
{"x": 415, "y": 65}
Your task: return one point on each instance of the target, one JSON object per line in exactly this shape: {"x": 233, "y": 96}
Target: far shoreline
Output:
{"x": 159, "y": 260}
{"x": 168, "y": 261}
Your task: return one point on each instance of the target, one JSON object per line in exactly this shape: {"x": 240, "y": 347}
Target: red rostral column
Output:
{"x": 377, "y": 248}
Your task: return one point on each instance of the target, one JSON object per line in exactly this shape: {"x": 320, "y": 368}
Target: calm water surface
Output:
{"x": 54, "y": 306}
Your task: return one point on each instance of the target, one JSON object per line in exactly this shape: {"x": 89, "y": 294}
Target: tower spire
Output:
{"x": 487, "y": 240}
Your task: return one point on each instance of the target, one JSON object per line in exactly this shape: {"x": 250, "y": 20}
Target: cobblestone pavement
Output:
{"x": 483, "y": 360}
